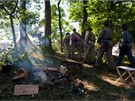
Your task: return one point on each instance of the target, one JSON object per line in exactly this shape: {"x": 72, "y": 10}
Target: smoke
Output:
{"x": 39, "y": 76}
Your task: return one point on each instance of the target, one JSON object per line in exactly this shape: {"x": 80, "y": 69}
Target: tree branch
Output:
{"x": 1, "y": 2}
{"x": 16, "y": 3}
{"x": 59, "y": 2}
{"x": 5, "y": 10}
{"x": 117, "y": 2}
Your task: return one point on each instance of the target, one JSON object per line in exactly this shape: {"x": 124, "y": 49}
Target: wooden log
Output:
{"x": 70, "y": 61}
{"x": 21, "y": 73}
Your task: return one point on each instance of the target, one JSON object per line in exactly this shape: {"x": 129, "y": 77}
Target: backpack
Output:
{"x": 126, "y": 44}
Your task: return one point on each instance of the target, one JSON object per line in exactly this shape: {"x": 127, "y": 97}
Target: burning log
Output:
{"x": 21, "y": 73}
{"x": 50, "y": 75}
{"x": 63, "y": 75}
{"x": 55, "y": 75}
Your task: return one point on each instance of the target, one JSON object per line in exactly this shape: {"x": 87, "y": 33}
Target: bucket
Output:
{"x": 6, "y": 68}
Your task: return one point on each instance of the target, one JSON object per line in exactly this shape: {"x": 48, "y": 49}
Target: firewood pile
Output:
{"x": 41, "y": 77}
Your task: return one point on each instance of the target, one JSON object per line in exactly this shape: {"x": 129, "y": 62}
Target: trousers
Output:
{"x": 122, "y": 53}
{"x": 101, "y": 51}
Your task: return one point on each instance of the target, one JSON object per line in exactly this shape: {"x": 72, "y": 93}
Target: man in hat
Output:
{"x": 76, "y": 43}
{"x": 74, "y": 31}
{"x": 89, "y": 45}
{"x": 66, "y": 41}
{"x": 105, "y": 46}
{"x": 125, "y": 45}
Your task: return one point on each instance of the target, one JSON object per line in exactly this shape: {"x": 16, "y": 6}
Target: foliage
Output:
{"x": 76, "y": 11}
{"x": 6, "y": 9}
{"x": 55, "y": 30}
{"x": 99, "y": 11}
{"x": 29, "y": 17}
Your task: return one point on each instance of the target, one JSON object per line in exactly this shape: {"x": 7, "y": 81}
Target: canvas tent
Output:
{"x": 29, "y": 41}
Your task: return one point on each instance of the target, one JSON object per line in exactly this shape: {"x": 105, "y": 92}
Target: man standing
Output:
{"x": 66, "y": 41}
{"x": 105, "y": 45}
{"x": 76, "y": 42}
{"x": 89, "y": 45}
{"x": 125, "y": 45}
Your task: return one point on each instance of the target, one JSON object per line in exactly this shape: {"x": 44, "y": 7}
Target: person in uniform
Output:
{"x": 89, "y": 46}
{"x": 105, "y": 45}
{"x": 76, "y": 43}
{"x": 125, "y": 45}
{"x": 66, "y": 41}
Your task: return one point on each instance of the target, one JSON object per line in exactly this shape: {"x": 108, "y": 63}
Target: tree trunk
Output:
{"x": 85, "y": 16}
{"x": 23, "y": 34}
{"x": 48, "y": 24}
{"x": 13, "y": 31}
{"x": 60, "y": 26}
{"x": 112, "y": 5}
{"x": 12, "y": 23}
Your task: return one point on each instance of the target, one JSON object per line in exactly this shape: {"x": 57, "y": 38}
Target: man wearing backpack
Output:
{"x": 125, "y": 45}
{"x": 76, "y": 43}
{"x": 105, "y": 45}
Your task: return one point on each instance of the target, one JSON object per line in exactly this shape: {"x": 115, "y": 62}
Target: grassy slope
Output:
{"x": 98, "y": 86}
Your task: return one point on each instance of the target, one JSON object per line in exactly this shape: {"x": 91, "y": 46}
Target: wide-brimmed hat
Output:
{"x": 89, "y": 28}
{"x": 107, "y": 23}
{"x": 67, "y": 33}
{"x": 74, "y": 29}
{"x": 124, "y": 26}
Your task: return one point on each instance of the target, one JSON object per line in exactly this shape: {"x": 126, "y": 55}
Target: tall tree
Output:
{"x": 23, "y": 34}
{"x": 78, "y": 13}
{"x": 48, "y": 24}
{"x": 60, "y": 25}
{"x": 55, "y": 36}
{"x": 85, "y": 16}
{"x": 10, "y": 7}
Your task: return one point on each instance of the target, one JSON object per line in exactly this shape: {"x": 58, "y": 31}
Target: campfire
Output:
{"x": 31, "y": 72}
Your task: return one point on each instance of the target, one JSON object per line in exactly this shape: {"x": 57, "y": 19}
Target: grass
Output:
{"x": 98, "y": 85}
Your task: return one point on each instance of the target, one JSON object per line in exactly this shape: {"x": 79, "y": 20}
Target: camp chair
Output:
{"x": 122, "y": 76}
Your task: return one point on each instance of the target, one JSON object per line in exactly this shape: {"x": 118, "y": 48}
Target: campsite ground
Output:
{"x": 98, "y": 85}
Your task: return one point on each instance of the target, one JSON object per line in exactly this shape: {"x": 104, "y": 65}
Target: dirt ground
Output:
{"x": 98, "y": 85}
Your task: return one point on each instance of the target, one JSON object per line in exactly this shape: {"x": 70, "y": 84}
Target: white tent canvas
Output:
{"x": 29, "y": 41}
